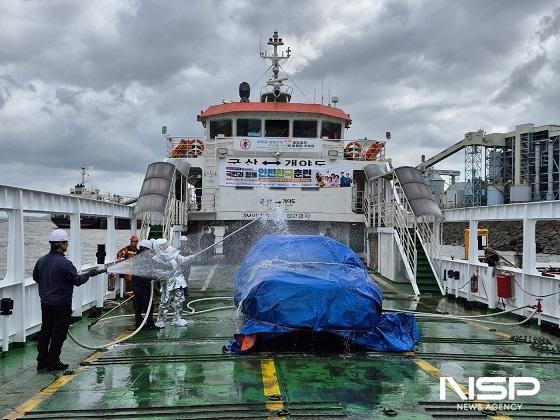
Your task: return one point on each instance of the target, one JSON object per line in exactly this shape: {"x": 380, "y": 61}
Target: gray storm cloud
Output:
{"x": 94, "y": 81}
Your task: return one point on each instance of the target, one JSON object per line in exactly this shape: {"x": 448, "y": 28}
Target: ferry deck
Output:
{"x": 182, "y": 373}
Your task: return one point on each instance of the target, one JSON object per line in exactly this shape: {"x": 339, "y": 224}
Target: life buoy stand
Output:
{"x": 188, "y": 148}
{"x": 353, "y": 151}
{"x": 373, "y": 151}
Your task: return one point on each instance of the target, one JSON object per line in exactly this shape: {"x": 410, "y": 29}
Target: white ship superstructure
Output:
{"x": 255, "y": 156}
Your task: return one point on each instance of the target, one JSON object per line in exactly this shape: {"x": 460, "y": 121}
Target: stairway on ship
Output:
{"x": 425, "y": 278}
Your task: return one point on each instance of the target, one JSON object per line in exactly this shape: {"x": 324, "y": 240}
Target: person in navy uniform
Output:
{"x": 56, "y": 277}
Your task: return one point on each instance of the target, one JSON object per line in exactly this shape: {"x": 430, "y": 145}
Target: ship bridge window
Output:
{"x": 331, "y": 130}
{"x": 220, "y": 127}
{"x": 249, "y": 127}
{"x": 277, "y": 128}
{"x": 305, "y": 128}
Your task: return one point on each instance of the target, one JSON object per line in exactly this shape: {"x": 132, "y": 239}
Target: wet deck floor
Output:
{"x": 182, "y": 373}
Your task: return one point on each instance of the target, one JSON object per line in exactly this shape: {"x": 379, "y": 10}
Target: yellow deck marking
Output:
{"x": 431, "y": 369}
{"x": 270, "y": 384}
{"x": 50, "y": 389}
{"x": 434, "y": 371}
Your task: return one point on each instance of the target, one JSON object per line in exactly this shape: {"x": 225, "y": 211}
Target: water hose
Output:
{"x": 225, "y": 237}
{"x": 435, "y": 315}
{"x": 188, "y": 305}
{"x": 475, "y": 318}
{"x": 120, "y": 340}
{"x": 107, "y": 313}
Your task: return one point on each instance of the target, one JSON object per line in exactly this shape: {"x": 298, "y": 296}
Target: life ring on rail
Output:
{"x": 196, "y": 147}
{"x": 373, "y": 151}
{"x": 353, "y": 150}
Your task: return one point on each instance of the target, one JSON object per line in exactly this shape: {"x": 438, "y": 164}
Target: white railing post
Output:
{"x": 75, "y": 255}
{"x": 16, "y": 267}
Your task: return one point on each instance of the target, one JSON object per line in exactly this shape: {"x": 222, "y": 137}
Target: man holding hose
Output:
{"x": 56, "y": 277}
{"x": 174, "y": 283}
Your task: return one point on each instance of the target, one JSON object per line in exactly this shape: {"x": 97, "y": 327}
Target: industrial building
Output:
{"x": 501, "y": 168}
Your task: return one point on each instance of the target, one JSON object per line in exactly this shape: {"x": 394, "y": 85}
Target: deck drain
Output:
{"x": 389, "y": 412}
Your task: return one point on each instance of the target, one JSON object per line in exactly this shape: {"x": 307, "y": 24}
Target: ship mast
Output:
{"x": 84, "y": 174}
{"x": 275, "y": 90}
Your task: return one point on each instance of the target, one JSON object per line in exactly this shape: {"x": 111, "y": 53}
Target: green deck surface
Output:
{"x": 182, "y": 373}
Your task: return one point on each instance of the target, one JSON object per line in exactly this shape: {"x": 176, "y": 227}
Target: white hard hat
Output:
{"x": 183, "y": 238}
{"x": 58, "y": 235}
{"x": 144, "y": 243}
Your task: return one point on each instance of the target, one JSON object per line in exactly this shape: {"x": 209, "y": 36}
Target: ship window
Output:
{"x": 220, "y": 127}
{"x": 277, "y": 128}
{"x": 249, "y": 127}
{"x": 331, "y": 130}
{"x": 305, "y": 128}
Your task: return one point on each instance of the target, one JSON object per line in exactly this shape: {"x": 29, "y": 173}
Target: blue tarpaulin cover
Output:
{"x": 314, "y": 283}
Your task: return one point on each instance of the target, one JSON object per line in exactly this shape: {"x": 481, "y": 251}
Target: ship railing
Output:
{"x": 428, "y": 229}
{"x": 350, "y": 149}
{"x": 358, "y": 202}
{"x": 369, "y": 212}
{"x": 17, "y": 203}
{"x": 425, "y": 228}
{"x": 403, "y": 221}
{"x": 201, "y": 200}
{"x": 175, "y": 213}
{"x": 185, "y": 146}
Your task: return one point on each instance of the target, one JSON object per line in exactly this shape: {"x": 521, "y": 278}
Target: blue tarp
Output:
{"x": 313, "y": 283}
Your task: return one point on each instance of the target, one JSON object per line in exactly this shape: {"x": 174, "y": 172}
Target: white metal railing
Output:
{"x": 350, "y": 149}
{"x": 404, "y": 234}
{"x": 395, "y": 211}
{"x": 428, "y": 231}
{"x": 15, "y": 202}
{"x": 358, "y": 203}
{"x": 202, "y": 200}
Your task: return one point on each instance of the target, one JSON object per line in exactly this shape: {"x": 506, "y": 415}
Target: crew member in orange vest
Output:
{"x": 125, "y": 253}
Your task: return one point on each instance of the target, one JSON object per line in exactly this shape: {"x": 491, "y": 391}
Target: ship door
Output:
{"x": 358, "y": 191}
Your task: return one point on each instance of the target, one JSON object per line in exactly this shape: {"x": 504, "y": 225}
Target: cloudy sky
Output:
{"x": 94, "y": 81}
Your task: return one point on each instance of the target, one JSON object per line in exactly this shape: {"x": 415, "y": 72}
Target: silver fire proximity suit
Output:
{"x": 174, "y": 283}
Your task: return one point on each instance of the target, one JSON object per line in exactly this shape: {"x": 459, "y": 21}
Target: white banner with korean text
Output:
{"x": 276, "y": 144}
{"x": 254, "y": 172}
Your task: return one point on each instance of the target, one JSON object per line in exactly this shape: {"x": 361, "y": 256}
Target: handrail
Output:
{"x": 194, "y": 147}
{"x": 400, "y": 213}
{"x": 431, "y": 245}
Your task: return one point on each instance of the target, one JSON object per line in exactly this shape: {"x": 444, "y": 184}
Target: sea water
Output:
{"x": 36, "y": 242}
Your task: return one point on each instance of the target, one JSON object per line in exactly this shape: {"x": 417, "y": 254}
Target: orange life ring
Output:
{"x": 353, "y": 150}
{"x": 196, "y": 147}
{"x": 373, "y": 151}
